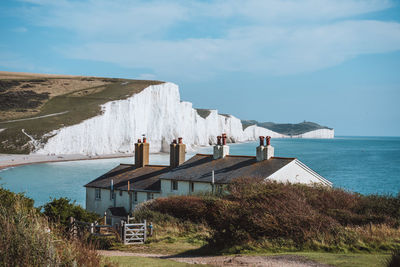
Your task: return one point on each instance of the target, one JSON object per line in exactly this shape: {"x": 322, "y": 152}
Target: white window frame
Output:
{"x": 97, "y": 193}
{"x": 173, "y": 187}
{"x": 150, "y": 196}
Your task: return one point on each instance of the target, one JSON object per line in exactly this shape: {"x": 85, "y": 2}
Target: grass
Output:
{"x": 81, "y": 105}
{"x": 141, "y": 261}
{"x": 348, "y": 259}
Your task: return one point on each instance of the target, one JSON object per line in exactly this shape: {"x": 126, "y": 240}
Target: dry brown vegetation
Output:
{"x": 277, "y": 217}
{"x": 28, "y": 239}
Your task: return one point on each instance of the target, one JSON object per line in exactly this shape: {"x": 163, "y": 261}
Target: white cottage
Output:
{"x": 128, "y": 185}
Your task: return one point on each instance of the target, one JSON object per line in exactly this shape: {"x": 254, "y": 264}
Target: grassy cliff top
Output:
{"x": 286, "y": 128}
{"x": 40, "y": 103}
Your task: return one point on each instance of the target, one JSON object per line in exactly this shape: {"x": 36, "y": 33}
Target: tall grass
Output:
{"x": 27, "y": 238}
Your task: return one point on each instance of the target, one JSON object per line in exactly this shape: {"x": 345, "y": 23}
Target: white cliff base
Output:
{"x": 158, "y": 113}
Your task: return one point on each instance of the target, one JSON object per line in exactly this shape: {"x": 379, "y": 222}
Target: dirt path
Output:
{"x": 38, "y": 117}
{"x": 236, "y": 260}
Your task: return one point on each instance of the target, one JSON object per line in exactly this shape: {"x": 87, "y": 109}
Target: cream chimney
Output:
{"x": 221, "y": 149}
{"x": 269, "y": 150}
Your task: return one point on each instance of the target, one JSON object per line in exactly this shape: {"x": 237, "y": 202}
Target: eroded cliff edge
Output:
{"x": 157, "y": 112}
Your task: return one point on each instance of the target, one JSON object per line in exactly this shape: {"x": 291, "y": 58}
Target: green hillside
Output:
{"x": 42, "y": 103}
{"x": 286, "y": 128}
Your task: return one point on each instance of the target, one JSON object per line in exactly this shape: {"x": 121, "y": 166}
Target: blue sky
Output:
{"x": 334, "y": 62}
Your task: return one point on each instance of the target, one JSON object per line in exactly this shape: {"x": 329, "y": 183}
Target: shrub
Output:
{"x": 59, "y": 210}
{"x": 307, "y": 216}
{"x": 27, "y": 239}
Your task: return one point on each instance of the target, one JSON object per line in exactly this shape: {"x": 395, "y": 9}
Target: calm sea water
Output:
{"x": 369, "y": 165}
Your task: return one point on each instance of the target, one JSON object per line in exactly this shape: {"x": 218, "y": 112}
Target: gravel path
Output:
{"x": 237, "y": 260}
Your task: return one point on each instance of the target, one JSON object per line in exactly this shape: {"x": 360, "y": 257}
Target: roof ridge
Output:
{"x": 241, "y": 156}
{"x": 283, "y": 158}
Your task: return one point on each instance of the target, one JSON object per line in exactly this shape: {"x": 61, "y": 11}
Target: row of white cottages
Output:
{"x": 121, "y": 189}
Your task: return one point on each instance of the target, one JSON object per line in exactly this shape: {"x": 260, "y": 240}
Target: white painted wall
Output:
{"x": 298, "y": 172}
{"x": 183, "y": 188}
{"x": 100, "y": 206}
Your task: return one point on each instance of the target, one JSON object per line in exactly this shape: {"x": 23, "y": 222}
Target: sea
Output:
{"x": 367, "y": 165}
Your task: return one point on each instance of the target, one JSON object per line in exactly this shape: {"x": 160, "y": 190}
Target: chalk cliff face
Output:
{"x": 156, "y": 112}
{"x": 321, "y": 133}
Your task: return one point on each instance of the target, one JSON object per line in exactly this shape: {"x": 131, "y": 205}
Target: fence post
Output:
{"x": 145, "y": 231}
{"x": 124, "y": 232}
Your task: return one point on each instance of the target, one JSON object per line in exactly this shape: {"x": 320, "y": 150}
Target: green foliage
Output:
{"x": 59, "y": 210}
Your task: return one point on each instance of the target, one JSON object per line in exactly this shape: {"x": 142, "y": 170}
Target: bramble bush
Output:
{"x": 314, "y": 216}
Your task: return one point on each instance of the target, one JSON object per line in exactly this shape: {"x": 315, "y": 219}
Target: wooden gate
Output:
{"x": 134, "y": 233}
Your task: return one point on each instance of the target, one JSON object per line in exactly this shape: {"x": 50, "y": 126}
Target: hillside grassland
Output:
{"x": 29, "y": 103}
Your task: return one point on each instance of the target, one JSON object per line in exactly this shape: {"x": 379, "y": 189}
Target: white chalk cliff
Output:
{"x": 158, "y": 113}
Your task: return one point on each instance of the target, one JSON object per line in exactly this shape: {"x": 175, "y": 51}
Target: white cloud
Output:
{"x": 20, "y": 29}
{"x": 273, "y": 37}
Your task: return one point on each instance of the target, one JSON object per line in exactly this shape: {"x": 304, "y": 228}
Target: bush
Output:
{"x": 59, "y": 210}
{"x": 256, "y": 211}
{"x": 27, "y": 239}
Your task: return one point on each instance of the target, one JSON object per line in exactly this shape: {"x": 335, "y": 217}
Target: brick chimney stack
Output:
{"x": 142, "y": 150}
{"x": 177, "y": 153}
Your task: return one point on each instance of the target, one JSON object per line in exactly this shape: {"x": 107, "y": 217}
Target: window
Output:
{"x": 135, "y": 197}
{"x": 97, "y": 193}
{"x": 150, "y": 196}
{"x": 174, "y": 185}
{"x": 191, "y": 187}
{"x": 219, "y": 189}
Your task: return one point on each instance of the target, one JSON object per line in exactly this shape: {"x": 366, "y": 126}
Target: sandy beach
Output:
{"x": 12, "y": 160}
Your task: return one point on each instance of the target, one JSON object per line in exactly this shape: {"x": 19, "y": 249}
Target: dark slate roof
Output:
{"x": 118, "y": 211}
{"x": 200, "y": 166}
{"x": 140, "y": 179}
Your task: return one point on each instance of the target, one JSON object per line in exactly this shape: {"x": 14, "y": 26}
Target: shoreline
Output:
{"x": 15, "y": 160}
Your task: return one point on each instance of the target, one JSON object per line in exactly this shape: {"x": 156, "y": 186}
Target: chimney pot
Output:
{"x": 180, "y": 140}
{"x": 268, "y": 140}
{"x": 139, "y": 141}
{"x": 144, "y": 139}
{"x": 219, "y": 140}
{"x": 224, "y": 139}
{"x": 261, "y": 140}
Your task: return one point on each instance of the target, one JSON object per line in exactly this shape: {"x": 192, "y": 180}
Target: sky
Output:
{"x": 334, "y": 62}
